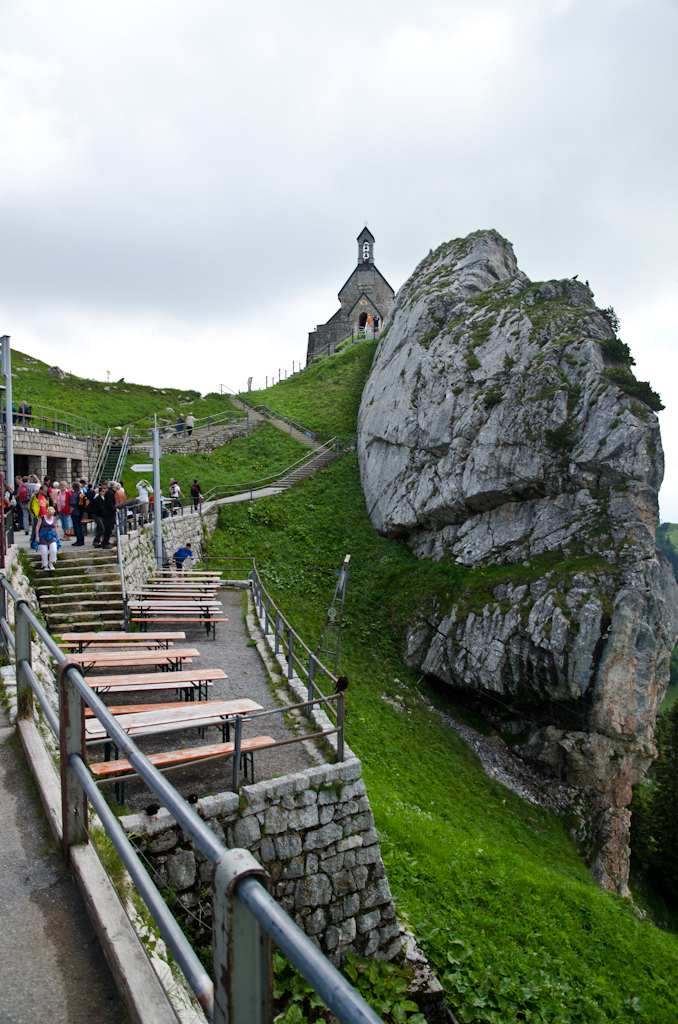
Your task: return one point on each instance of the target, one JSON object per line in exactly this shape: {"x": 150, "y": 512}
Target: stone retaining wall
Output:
{"x": 314, "y": 833}
{"x": 202, "y": 442}
{"x": 138, "y": 547}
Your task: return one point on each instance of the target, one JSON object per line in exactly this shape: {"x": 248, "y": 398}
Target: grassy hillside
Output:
{"x": 494, "y": 888}
{"x": 324, "y": 397}
{"x": 110, "y": 405}
{"x": 266, "y": 451}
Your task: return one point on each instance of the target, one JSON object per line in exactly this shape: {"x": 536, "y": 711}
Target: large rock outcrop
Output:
{"x": 502, "y": 428}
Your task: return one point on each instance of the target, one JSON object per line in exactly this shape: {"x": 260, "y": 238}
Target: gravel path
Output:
{"x": 247, "y": 677}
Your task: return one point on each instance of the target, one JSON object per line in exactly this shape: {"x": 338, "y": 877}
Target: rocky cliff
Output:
{"x": 502, "y": 428}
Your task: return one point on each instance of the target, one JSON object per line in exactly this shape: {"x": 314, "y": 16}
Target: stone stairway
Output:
{"x": 322, "y": 456}
{"x": 83, "y": 592}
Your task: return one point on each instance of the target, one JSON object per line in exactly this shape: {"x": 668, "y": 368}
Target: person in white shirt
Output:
{"x": 175, "y": 493}
{"x": 142, "y": 491}
{"x": 190, "y": 423}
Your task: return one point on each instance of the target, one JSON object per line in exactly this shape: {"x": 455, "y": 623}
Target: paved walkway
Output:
{"x": 247, "y": 677}
{"x": 51, "y": 965}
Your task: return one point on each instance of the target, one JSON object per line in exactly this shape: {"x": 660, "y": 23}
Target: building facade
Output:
{"x": 365, "y": 300}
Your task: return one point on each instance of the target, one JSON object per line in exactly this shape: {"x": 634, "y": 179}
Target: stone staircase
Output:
{"x": 83, "y": 592}
{"x": 321, "y": 457}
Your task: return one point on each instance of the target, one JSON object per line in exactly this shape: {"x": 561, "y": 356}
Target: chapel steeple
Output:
{"x": 365, "y": 247}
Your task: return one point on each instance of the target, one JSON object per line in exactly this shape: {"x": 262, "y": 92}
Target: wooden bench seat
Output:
{"x": 116, "y": 771}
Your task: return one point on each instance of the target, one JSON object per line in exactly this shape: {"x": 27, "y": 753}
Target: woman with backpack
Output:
{"x": 76, "y": 506}
{"x": 62, "y": 499}
{"x": 48, "y": 538}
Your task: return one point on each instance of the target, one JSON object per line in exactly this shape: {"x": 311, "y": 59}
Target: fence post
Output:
{"x": 311, "y": 677}
{"x": 236, "y": 753}
{"x": 340, "y": 727}
{"x": 242, "y": 949}
{"x": 22, "y": 639}
{"x": 71, "y": 741}
{"x": 266, "y": 607}
{"x": 277, "y": 631}
{"x": 290, "y": 650}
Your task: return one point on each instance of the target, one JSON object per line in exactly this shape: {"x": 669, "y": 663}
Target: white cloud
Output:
{"x": 189, "y": 179}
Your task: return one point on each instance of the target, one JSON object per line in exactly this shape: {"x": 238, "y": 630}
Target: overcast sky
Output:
{"x": 181, "y": 185}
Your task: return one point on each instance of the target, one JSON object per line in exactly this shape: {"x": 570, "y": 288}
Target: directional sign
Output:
{"x": 141, "y": 467}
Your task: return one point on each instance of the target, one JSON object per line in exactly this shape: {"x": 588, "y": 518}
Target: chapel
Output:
{"x": 365, "y": 300}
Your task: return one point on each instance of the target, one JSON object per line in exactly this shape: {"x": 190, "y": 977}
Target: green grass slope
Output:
{"x": 325, "y": 397}
{"x": 110, "y": 405}
{"x": 266, "y": 451}
{"x": 494, "y": 888}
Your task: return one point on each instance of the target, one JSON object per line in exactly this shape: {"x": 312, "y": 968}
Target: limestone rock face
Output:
{"x": 493, "y": 433}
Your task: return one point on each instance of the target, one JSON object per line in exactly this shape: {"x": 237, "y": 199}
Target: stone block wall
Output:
{"x": 138, "y": 547}
{"x": 53, "y": 450}
{"x": 314, "y": 833}
{"x": 202, "y": 442}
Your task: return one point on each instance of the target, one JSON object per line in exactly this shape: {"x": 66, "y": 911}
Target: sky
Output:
{"x": 181, "y": 185}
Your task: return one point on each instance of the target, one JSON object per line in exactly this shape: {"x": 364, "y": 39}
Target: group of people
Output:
{"x": 38, "y": 507}
{"x": 176, "y": 497}
{"x": 188, "y": 423}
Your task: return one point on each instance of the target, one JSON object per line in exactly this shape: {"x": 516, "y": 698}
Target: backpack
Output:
{"x": 23, "y": 493}
{"x": 34, "y": 506}
{"x": 195, "y": 491}
{"x": 83, "y": 502}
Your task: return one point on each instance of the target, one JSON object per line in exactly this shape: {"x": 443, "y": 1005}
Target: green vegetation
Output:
{"x": 560, "y": 439}
{"x": 641, "y": 389}
{"x": 110, "y": 405}
{"x": 265, "y": 452}
{"x": 325, "y": 397}
{"x": 382, "y": 985}
{"x": 617, "y": 351}
{"x": 493, "y": 887}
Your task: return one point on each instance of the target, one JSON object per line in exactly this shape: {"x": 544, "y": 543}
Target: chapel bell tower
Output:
{"x": 365, "y": 247}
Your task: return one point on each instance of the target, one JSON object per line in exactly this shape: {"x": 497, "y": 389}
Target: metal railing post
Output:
{"x": 290, "y": 650}
{"x": 311, "y": 676}
{"x": 277, "y": 632}
{"x": 266, "y": 617}
{"x": 237, "y": 746}
{"x": 340, "y": 727}
{"x": 242, "y": 948}
{"x": 71, "y": 741}
{"x": 22, "y": 638}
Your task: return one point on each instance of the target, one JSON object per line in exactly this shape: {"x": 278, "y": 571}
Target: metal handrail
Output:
{"x": 101, "y": 458}
{"x": 242, "y": 987}
{"x": 269, "y": 413}
{"x": 47, "y": 417}
{"x": 225, "y": 490}
{"x": 122, "y": 455}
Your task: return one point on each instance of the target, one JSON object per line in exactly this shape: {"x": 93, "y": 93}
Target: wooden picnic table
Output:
{"x": 174, "y": 595}
{"x": 187, "y": 681}
{"x": 209, "y": 623}
{"x": 84, "y": 639}
{"x": 195, "y": 714}
{"x": 123, "y": 659}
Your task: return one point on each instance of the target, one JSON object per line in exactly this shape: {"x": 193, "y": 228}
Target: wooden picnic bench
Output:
{"x": 209, "y": 623}
{"x": 172, "y": 717}
{"x": 170, "y": 660}
{"x": 85, "y": 639}
{"x": 117, "y": 771}
{"x": 186, "y": 681}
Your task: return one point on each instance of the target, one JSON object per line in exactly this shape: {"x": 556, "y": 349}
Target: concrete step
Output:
{"x": 52, "y": 597}
{"x": 63, "y": 621}
{"x": 87, "y": 626}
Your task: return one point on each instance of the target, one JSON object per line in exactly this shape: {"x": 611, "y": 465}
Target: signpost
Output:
{"x": 140, "y": 467}
{"x": 157, "y": 500}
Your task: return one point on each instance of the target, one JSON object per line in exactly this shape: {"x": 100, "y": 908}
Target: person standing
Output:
{"x": 23, "y": 497}
{"x": 196, "y": 494}
{"x": 180, "y": 424}
{"x": 175, "y": 493}
{"x": 97, "y": 508}
{"x": 142, "y": 491}
{"x": 63, "y": 508}
{"x": 36, "y": 507}
{"x": 109, "y": 514}
{"x": 48, "y": 538}
{"x": 190, "y": 423}
{"x": 74, "y": 508}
